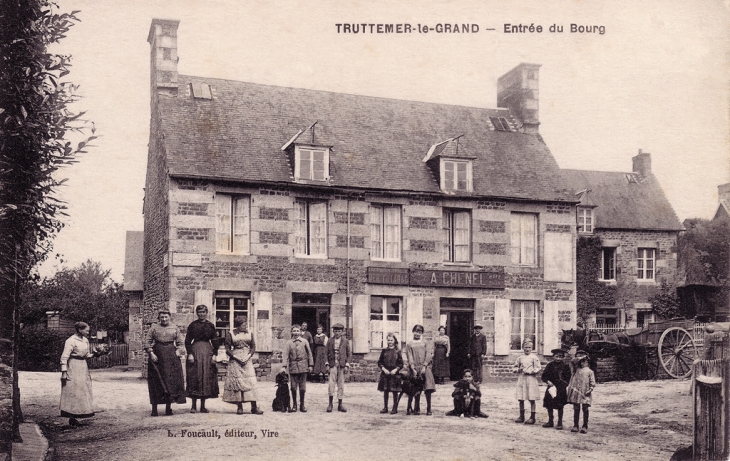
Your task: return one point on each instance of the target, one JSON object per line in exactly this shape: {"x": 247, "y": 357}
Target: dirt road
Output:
{"x": 645, "y": 420}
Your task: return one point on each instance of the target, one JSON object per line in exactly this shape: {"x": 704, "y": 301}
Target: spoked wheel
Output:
{"x": 677, "y": 351}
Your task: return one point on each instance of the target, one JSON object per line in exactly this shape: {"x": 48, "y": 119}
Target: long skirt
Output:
{"x": 240, "y": 383}
{"x": 441, "y": 367}
{"x": 165, "y": 378}
{"x": 320, "y": 358}
{"x": 527, "y": 388}
{"x": 77, "y": 400}
{"x": 202, "y": 374}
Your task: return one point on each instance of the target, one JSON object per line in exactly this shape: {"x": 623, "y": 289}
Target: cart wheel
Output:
{"x": 677, "y": 351}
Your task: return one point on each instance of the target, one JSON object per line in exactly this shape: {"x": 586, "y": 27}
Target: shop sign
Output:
{"x": 462, "y": 279}
{"x": 387, "y": 276}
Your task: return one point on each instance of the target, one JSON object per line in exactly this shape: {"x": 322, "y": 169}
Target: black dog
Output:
{"x": 282, "y": 402}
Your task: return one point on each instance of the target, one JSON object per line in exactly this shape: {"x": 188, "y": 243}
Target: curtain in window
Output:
{"x": 223, "y": 223}
{"x": 448, "y": 255}
{"x": 515, "y": 313}
{"x": 391, "y": 219}
{"x": 300, "y": 228}
{"x": 385, "y": 316}
{"x": 523, "y": 315}
{"x": 318, "y": 228}
{"x": 318, "y": 169}
{"x": 376, "y": 231}
{"x": 462, "y": 235}
{"x": 305, "y": 164}
{"x": 461, "y": 176}
{"x": 240, "y": 225}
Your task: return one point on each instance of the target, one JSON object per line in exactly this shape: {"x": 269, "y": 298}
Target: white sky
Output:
{"x": 657, "y": 80}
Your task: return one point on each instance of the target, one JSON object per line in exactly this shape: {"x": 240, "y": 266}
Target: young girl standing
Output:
{"x": 390, "y": 364}
{"x": 580, "y": 390}
{"x": 527, "y": 366}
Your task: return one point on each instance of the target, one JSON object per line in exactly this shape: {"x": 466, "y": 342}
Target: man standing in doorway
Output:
{"x": 477, "y": 352}
{"x": 338, "y": 361}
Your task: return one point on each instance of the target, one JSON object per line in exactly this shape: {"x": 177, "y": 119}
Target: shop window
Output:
{"x": 524, "y": 323}
{"x": 385, "y": 317}
{"x": 228, "y": 306}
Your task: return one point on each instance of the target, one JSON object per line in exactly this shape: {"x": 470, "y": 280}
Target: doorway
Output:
{"x": 457, "y": 315}
{"x": 312, "y": 308}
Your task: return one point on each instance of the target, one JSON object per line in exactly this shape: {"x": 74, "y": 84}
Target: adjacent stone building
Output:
{"x": 134, "y": 288}
{"x": 288, "y": 205}
{"x": 629, "y": 220}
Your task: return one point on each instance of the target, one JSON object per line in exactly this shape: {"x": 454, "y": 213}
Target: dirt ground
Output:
{"x": 644, "y": 420}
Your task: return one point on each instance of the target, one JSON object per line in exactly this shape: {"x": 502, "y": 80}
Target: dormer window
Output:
{"x": 456, "y": 175}
{"x": 585, "y": 220}
{"x": 311, "y": 163}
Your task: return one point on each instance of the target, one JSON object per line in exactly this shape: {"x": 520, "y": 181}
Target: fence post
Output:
{"x": 710, "y": 408}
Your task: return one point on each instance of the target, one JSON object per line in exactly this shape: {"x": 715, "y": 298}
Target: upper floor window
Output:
{"x": 232, "y": 224}
{"x": 385, "y": 317}
{"x": 645, "y": 265}
{"x": 457, "y": 230}
{"x": 456, "y": 175}
{"x": 385, "y": 232}
{"x": 608, "y": 264}
{"x": 310, "y": 219}
{"x": 311, "y": 163}
{"x": 585, "y": 219}
{"x": 523, "y": 236}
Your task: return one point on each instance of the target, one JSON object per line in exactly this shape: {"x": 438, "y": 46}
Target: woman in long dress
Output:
{"x": 441, "y": 352}
{"x": 240, "y": 384}
{"x": 320, "y": 354}
{"x": 164, "y": 371}
{"x": 202, "y": 374}
{"x": 418, "y": 359}
{"x": 77, "y": 400}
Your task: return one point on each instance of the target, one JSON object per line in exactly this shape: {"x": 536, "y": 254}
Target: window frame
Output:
{"x": 641, "y": 264}
{"x": 585, "y": 220}
{"x": 612, "y": 268}
{"x": 230, "y": 233}
{"x": 518, "y": 253}
{"x": 308, "y": 237}
{"x": 449, "y": 222}
{"x": 310, "y": 176}
{"x": 380, "y": 211}
{"x": 469, "y": 186}
{"x": 384, "y": 330}
{"x": 522, "y": 303}
{"x": 231, "y": 311}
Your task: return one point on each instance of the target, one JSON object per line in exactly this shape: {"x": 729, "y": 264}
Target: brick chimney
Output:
{"x": 518, "y": 91}
{"x": 163, "y": 56}
{"x": 723, "y": 192}
{"x": 642, "y": 164}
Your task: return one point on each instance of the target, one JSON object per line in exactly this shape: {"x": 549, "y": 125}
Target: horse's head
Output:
{"x": 567, "y": 339}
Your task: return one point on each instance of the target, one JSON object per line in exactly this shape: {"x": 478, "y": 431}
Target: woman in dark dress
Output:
{"x": 164, "y": 371}
{"x": 320, "y": 354}
{"x": 202, "y": 374}
{"x": 390, "y": 364}
{"x": 441, "y": 352}
{"x": 557, "y": 376}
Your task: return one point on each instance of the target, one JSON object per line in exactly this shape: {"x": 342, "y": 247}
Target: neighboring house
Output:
{"x": 287, "y": 205}
{"x": 723, "y": 208}
{"x": 133, "y": 287}
{"x": 636, "y": 229}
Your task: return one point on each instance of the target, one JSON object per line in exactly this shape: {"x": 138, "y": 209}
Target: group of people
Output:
{"x": 412, "y": 371}
{"x": 567, "y": 382}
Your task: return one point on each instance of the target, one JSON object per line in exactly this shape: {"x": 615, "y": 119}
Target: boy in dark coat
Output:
{"x": 557, "y": 377}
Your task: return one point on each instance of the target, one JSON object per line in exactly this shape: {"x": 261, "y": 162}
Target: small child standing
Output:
{"x": 527, "y": 366}
{"x": 580, "y": 390}
{"x": 390, "y": 364}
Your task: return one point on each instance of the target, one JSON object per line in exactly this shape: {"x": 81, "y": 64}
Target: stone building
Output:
{"x": 636, "y": 228}
{"x": 133, "y": 287}
{"x": 288, "y": 205}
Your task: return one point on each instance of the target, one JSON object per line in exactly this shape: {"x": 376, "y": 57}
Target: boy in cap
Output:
{"x": 557, "y": 377}
{"x": 477, "y": 352}
{"x": 298, "y": 361}
{"x": 338, "y": 363}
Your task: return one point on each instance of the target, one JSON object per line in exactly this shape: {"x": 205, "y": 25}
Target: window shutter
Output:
{"x": 205, "y": 297}
{"x": 414, "y": 314}
{"x": 502, "y": 325}
{"x": 550, "y": 326}
{"x": 262, "y": 304}
{"x": 558, "y": 257}
{"x": 360, "y": 324}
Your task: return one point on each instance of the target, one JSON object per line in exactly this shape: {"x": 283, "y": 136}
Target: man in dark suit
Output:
{"x": 477, "y": 352}
{"x": 338, "y": 362}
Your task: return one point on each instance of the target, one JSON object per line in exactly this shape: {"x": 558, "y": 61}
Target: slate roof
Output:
{"x": 639, "y": 204}
{"x": 377, "y": 143}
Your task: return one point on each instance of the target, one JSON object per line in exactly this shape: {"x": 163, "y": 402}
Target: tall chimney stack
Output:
{"x": 642, "y": 164}
{"x": 163, "y": 57}
{"x": 518, "y": 91}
